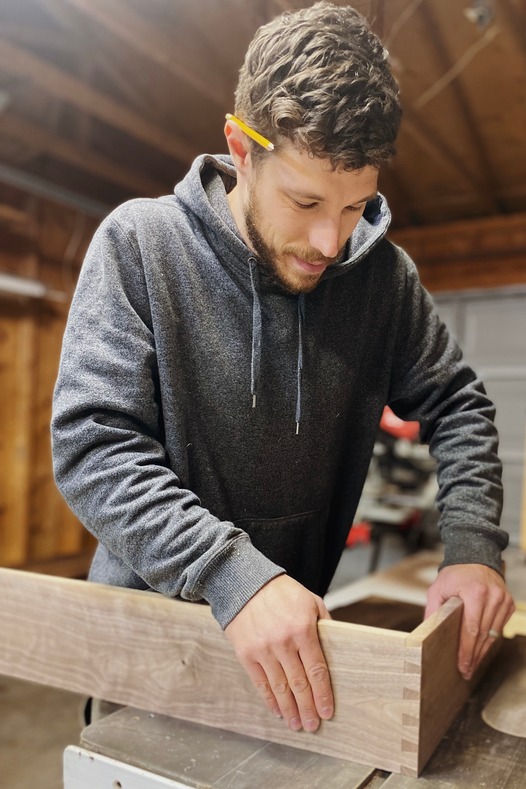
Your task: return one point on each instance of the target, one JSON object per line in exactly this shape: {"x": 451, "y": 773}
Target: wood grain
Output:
{"x": 16, "y": 386}
{"x": 443, "y": 690}
{"x": 143, "y": 650}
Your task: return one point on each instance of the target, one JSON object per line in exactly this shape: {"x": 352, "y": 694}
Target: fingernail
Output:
{"x": 277, "y": 713}
{"x": 327, "y": 712}
{"x": 295, "y": 724}
{"x": 312, "y": 724}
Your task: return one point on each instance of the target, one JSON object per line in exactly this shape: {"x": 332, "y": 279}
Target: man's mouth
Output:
{"x": 310, "y": 267}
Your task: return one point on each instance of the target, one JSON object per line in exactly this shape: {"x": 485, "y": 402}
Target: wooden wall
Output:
{"x": 472, "y": 254}
{"x": 37, "y": 530}
{"x": 47, "y": 242}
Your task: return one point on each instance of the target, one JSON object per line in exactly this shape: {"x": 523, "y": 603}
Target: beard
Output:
{"x": 269, "y": 258}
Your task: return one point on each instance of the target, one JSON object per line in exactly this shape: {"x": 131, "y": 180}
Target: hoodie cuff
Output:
{"x": 466, "y": 544}
{"x": 234, "y": 576}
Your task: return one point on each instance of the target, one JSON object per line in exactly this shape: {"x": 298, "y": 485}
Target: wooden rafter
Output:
{"x": 282, "y": 5}
{"x": 18, "y": 61}
{"x": 32, "y": 36}
{"x": 376, "y": 17}
{"x": 461, "y": 98}
{"x": 406, "y": 208}
{"x": 14, "y": 216}
{"x": 491, "y": 237}
{"x": 151, "y": 42}
{"x": 70, "y": 19}
{"x": 515, "y": 22}
{"x": 88, "y": 161}
{"x": 428, "y": 140}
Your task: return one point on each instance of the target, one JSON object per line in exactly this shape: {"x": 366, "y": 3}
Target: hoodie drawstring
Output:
{"x": 301, "y": 319}
{"x": 255, "y": 362}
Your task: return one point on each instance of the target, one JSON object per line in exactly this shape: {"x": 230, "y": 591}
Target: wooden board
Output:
{"x": 443, "y": 691}
{"x": 472, "y": 754}
{"x": 141, "y": 649}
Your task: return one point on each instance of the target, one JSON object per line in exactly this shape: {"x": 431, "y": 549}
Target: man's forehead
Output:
{"x": 316, "y": 178}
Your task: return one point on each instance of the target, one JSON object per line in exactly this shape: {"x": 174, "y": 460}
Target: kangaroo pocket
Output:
{"x": 295, "y": 542}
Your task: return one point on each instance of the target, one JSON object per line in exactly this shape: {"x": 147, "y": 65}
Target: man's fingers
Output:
{"x": 302, "y": 691}
{"x": 300, "y": 695}
{"x": 284, "y": 690}
{"x": 263, "y": 687}
{"x": 469, "y": 636}
{"x": 319, "y": 680}
{"x": 275, "y": 636}
{"x": 493, "y": 617}
{"x": 492, "y": 626}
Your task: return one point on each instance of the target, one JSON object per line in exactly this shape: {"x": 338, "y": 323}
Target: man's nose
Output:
{"x": 324, "y": 236}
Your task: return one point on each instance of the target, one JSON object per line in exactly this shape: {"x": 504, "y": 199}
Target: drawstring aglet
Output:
{"x": 297, "y": 428}
{"x": 253, "y": 401}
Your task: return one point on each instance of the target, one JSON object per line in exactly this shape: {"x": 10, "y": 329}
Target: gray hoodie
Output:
{"x": 174, "y": 336}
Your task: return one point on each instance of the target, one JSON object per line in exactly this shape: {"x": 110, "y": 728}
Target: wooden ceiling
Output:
{"x": 103, "y": 100}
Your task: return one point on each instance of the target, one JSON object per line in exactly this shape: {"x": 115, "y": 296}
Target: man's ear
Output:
{"x": 239, "y": 147}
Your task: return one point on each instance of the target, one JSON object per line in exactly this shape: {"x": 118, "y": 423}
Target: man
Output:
{"x": 230, "y": 349}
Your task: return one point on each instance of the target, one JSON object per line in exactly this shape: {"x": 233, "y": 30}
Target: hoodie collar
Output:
{"x": 204, "y": 192}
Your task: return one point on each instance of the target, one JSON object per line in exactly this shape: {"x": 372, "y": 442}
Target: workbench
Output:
{"x": 133, "y": 749}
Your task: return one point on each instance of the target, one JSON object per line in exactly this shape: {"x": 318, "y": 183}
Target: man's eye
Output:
{"x": 304, "y": 205}
{"x": 355, "y": 207}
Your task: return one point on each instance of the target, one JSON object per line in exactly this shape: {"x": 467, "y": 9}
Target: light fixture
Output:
{"x": 480, "y": 14}
{"x": 30, "y": 288}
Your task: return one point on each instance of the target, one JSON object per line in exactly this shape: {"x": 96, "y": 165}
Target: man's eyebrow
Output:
{"x": 321, "y": 199}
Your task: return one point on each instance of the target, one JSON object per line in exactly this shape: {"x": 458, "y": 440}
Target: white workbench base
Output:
{"x": 87, "y": 770}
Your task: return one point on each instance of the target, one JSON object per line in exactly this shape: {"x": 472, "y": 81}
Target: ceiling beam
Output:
{"x": 66, "y": 18}
{"x": 14, "y": 216}
{"x": 152, "y": 42}
{"x": 402, "y": 204}
{"x": 376, "y": 17}
{"x": 461, "y": 98}
{"x": 33, "y": 184}
{"x": 427, "y": 139}
{"x": 18, "y": 61}
{"x": 515, "y": 23}
{"x": 81, "y": 158}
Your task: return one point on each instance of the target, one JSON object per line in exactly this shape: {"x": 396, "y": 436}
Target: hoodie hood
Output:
{"x": 203, "y": 192}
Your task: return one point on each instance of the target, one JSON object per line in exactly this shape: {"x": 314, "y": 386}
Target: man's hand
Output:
{"x": 487, "y": 607}
{"x": 275, "y": 637}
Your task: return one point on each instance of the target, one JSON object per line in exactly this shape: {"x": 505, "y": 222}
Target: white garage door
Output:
{"x": 491, "y": 329}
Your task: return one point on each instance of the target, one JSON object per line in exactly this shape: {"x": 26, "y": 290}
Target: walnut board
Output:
{"x": 170, "y": 657}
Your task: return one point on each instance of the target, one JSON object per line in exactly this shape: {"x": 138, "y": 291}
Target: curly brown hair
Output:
{"x": 320, "y": 78}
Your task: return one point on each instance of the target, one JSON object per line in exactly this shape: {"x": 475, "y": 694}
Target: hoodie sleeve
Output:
{"x": 433, "y": 385}
{"x": 107, "y": 436}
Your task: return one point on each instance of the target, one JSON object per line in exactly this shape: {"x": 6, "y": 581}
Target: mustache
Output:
{"x": 312, "y": 255}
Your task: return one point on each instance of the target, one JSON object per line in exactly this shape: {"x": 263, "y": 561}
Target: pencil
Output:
{"x": 256, "y": 136}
